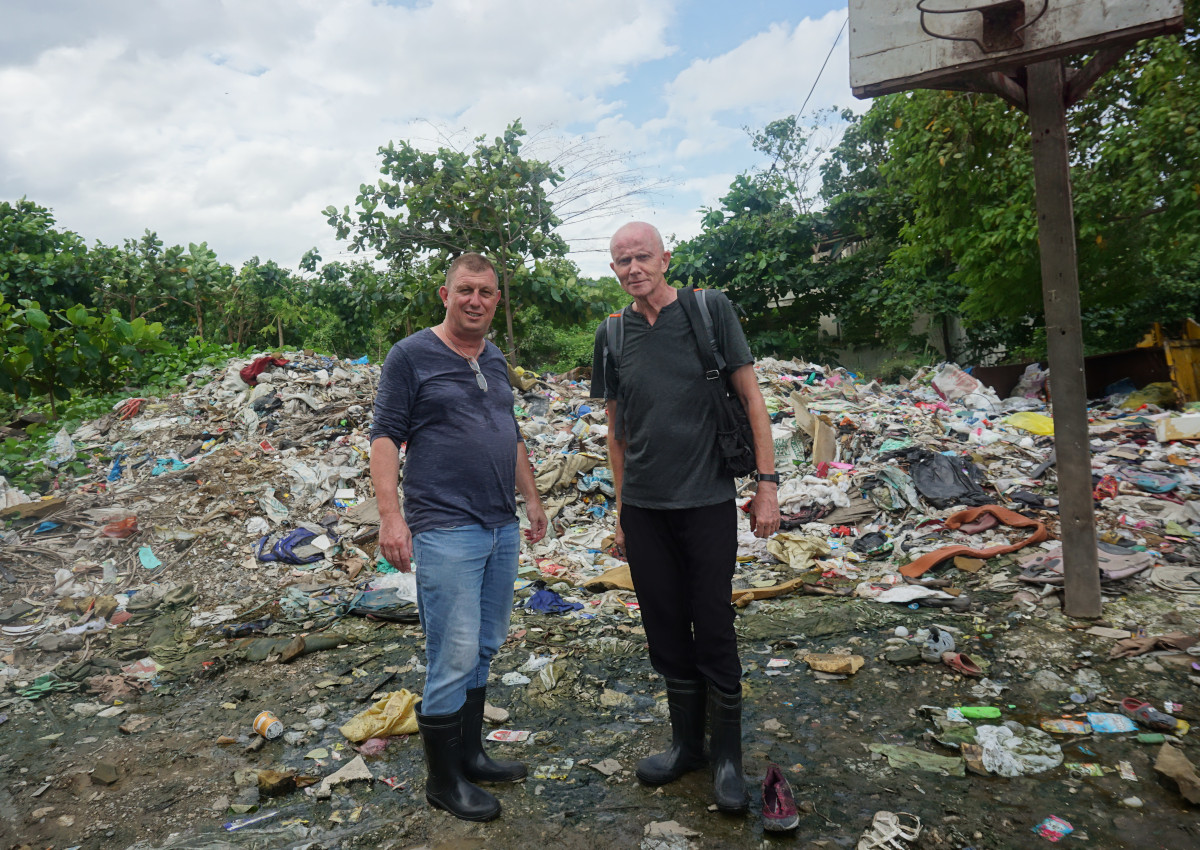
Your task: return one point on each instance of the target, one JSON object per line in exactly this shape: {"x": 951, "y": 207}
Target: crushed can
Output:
{"x": 268, "y": 725}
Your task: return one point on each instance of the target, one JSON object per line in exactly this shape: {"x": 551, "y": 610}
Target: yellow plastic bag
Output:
{"x": 797, "y": 550}
{"x": 395, "y": 714}
{"x": 1034, "y": 423}
{"x": 1161, "y": 394}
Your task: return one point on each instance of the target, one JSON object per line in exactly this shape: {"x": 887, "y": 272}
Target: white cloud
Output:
{"x": 774, "y": 69}
{"x": 236, "y": 123}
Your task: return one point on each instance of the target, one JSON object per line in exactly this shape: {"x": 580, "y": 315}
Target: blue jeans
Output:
{"x": 465, "y": 580}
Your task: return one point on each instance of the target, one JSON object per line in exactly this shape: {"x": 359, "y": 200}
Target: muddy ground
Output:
{"x": 176, "y": 781}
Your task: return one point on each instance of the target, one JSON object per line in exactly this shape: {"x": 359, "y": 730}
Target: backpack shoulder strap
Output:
{"x": 706, "y": 316}
{"x": 614, "y": 336}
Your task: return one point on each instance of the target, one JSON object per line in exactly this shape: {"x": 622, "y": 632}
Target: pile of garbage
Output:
{"x": 235, "y": 522}
{"x": 253, "y": 479}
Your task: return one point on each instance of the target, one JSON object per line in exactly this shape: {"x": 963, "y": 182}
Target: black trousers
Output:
{"x": 682, "y": 564}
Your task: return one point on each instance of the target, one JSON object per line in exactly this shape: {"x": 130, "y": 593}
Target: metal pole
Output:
{"x": 1064, "y": 339}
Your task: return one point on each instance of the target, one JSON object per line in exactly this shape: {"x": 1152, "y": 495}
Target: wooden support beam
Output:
{"x": 1078, "y": 82}
{"x": 1046, "y": 91}
{"x": 991, "y": 82}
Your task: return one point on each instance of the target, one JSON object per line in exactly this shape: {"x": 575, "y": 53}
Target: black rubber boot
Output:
{"x": 477, "y": 766}
{"x": 686, "y": 702}
{"x": 446, "y": 787}
{"x": 729, "y": 785}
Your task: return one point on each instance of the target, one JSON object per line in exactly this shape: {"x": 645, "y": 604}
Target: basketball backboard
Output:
{"x": 905, "y": 44}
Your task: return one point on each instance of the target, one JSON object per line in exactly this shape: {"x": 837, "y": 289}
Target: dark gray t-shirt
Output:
{"x": 671, "y": 457}
{"x": 461, "y": 461}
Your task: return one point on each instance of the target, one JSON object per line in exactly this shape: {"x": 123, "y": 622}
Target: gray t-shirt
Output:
{"x": 461, "y": 461}
{"x": 671, "y": 457}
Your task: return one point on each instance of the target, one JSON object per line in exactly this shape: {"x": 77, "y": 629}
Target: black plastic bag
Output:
{"x": 946, "y": 481}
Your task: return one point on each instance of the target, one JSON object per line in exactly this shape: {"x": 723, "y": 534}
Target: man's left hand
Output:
{"x": 764, "y": 511}
{"x": 537, "y": 522}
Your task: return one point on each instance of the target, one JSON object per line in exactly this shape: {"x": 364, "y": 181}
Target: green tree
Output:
{"x": 39, "y": 261}
{"x": 52, "y": 353}
{"x": 203, "y": 286}
{"x": 942, "y": 183}
{"x": 257, "y": 302}
{"x": 758, "y": 248}
{"x": 140, "y": 279}
{"x": 438, "y": 205}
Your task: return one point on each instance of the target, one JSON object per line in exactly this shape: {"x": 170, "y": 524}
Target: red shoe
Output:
{"x": 778, "y": 806}
{"x": 963, "y": 663}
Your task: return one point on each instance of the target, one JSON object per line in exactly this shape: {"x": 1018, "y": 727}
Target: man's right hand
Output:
{"x": 619, "y": 538}
{"x": 395, "y": 542}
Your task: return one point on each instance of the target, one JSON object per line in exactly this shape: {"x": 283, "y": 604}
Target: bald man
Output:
{"x": 676, "y": 516}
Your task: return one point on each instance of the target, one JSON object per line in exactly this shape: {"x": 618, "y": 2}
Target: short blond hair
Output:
{"x": 471, "y": 262}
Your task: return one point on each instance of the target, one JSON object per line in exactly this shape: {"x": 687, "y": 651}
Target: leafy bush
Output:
{"x": 901, "y": 367}
{"x": 170, "y": 367}
{"x": 545, "y": 347}
{"x": 52, "y": 353}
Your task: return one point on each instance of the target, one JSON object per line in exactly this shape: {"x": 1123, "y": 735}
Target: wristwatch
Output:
{"x": 767, "y": 476}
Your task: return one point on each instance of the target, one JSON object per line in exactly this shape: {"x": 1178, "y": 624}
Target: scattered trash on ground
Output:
{"x": 219, "y": 567}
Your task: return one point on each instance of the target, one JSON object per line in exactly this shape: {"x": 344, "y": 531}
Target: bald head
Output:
{"x": 640, "y": 261}
{"x": 644, "y": 232}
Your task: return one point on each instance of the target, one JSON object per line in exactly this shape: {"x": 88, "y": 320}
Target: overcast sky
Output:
{"x": 237, "y": 122}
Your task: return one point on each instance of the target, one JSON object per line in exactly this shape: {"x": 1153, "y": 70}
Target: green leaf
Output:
{"x": 37, "y": 319}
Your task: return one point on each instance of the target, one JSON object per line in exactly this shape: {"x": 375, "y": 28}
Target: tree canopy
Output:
{"x": 936, "y": 190}
{"x": 432, "y": 206}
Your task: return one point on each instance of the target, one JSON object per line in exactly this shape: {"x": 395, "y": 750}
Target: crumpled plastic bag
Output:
{"x": 561, "y": 470}
{"x": 600, "y": 480}
{"x": 1161, "y": 394}
{"x": 904, "y": 593}
{"x": 405, "y": 585}
{"x": 395, "y": 714}
{"x": 62, "y": 450}
{"x": 1031, "y": 383}
{"x": 796, "y": 550}
{"x": 906, "y": 758}
{"x": 953, "y": 383}
{"x": 1034, "y": 423}
{"x": 890, "y": 488}
{"x": 275, "y": 510}
{"x": 10, "y": 495}
{"x": 796, "y": 493}
{"x": 947, "y": 481}
{"x": 1007, "y": 753}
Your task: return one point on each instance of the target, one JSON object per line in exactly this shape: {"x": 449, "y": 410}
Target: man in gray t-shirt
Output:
{"x": 444, "y": 394}
{"x": 676, "y": 517}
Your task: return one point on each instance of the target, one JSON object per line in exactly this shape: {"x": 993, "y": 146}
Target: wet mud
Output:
{"x": 176, "y": 781}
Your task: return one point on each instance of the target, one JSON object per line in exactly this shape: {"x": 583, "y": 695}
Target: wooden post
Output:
{"x": 1046, "y": 96}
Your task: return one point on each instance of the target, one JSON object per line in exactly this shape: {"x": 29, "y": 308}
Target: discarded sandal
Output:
{"x": 778, "y": 806}
{"x": 1115, "y": 562}
{"x": 1145, "y": 714}
{"x": 888, "y": 830}
{"x": 963, "y": 663}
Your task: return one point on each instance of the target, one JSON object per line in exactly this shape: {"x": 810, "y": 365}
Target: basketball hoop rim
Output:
{"x": 979, "y": 8}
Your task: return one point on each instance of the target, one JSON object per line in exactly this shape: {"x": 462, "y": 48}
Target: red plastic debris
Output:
{"x": 121, "y": 528}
